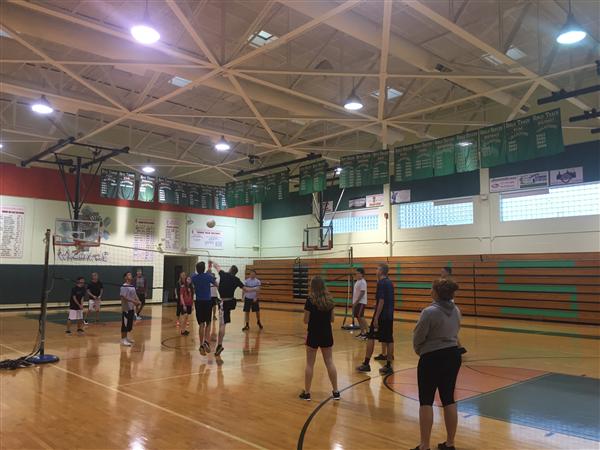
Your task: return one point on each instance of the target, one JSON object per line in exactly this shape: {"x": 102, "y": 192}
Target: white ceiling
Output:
{"x": 282, "y": 100}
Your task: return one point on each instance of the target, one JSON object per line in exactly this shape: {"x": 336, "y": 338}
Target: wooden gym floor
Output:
{"x": 523, "y": 385}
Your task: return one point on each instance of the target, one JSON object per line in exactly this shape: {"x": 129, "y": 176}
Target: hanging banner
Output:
{"x": 210, "y": 239}
{"x": 12, "y": 231}
{"x": 492, "y": 146}
{"x": 313, "y": 177}
{"x": 380, "y": 167}
{"x": 277, "y": 186}
{"x": 366, "y": 169}
{"x": 146, "y": 189}
{"x": 520, "y": 139}
{"x": 422, "y": 160}
{"x": 109, "y": 183}
{"x": 443, "y": 156}
{"x": 126, "y": 186}
{"x": 166, "y": 191}
{"x": 207, "y": 196}
{"x": 403, "y": 169}
{"x": 347, "y": 177}
{"x": 466, "y": 152}
{"x": 220, "y": 198}
{"x": 363, "y": 170}
{"x": 548, "y": 133}
{"x": 571, "y": 175}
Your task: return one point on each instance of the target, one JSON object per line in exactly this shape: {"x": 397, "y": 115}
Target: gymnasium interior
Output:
{"x": 298, "y": 139}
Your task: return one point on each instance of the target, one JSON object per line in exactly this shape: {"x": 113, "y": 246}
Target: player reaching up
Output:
{"x": 228, "y": 283}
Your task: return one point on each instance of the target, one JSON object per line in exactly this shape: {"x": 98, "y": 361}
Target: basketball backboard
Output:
{"x": 318, "y": 238}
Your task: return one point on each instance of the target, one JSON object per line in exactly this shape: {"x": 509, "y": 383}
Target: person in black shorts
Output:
{"x": 202, "y": 282}
{"x": 76, "y": 305}
{"x": 319, "y": 315}
{"x": 382, "y": 325}
{"x": 141, "y": 289}
{"x": 251, "y": 302}
{"x": 228, "y": 283}
{"x": 435, "y": 340}
{"x": 95, "y": 289}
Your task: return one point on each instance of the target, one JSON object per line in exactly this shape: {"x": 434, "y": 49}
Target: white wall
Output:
{"x": 241, "y": 236}
{"x": 487, "y": 235}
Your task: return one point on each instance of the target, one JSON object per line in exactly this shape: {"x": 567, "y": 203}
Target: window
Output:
{"x": 354, "y": 221}
{"x": 391, "y": 93}
{"x": 562, "y": 201}
{"x": 179, "y": 81}
{"x": 436, "y": 213}
{"x": 261, "y": 38}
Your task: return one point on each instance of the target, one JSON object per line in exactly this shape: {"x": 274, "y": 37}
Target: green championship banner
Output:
{"x": 403, "y": 163}
{"x": 365, "y": 169}
{"x": 277, "y": 186}
{"x": 109, "y": 183}
{"x": 422, "y": 160}
{"x": 166, "y": 191}
{"x": 258, "y": 189}
{"x": 126, "y": 186}
{"x": 207, "y": 196}
{"x": 181, "y": 193}
{"x": 220, "y": 198}
{"x": 239, "y": 193}
{"x": 146, "y": 189}
{"x": 548, "y": 138}
{"x": 313, "y": 177}
{"x": 466, "y": 152}
{"x": 492, "y": 146}
{"x": 520, "y": 139}
{"x": 443, "y": 156}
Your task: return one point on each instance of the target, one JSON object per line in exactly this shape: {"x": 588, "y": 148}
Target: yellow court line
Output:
{"x": 161, "y": 408}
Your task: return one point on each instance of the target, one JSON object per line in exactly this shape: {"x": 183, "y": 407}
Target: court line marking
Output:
{"x": 146, "y": 402}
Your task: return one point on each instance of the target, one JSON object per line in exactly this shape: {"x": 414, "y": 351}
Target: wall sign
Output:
{"x": 516, "y": 182}
{"x": 571, "y": 175}
{"x": 200, "y": 239}
{"x": 143, "y": 238}
{"x": 12, "y": 230}
{"x": 374, "y": 200}
{"x": 173, "y": 235}
{"x": 402, "y": 196}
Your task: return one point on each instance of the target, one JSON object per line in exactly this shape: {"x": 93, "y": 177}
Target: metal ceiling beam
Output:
{"x": 355, "y": 74}
{"x": 383, "y": 61}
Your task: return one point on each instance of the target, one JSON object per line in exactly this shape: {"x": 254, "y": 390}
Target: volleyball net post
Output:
{"x": 351, "y": 326}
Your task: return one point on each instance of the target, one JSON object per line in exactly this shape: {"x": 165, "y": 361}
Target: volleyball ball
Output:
{"x": 211, "y": 223}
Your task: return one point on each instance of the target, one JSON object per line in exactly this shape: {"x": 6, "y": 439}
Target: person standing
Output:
{"x": 202, "y": 282}
{"x": 359, "y": 301}
{"x": 141, "y": 289}
{"x": 179, "y": 306}
{"x": 214, "y": 293}
{"x": 382, "y": 325}
{"x": 319, "y": 315}
{"x": 76, "y": 305}
{"x": 228, "y": 283}
{"x": 95, "y": 290}
{"x": 435, "y": 340}
{"x": 129, "y": 301}
{"x": 186, "y": 295}
{"x": 251, "y": 299}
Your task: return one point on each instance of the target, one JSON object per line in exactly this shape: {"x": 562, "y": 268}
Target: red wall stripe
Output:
{"x": 46, "y": 184}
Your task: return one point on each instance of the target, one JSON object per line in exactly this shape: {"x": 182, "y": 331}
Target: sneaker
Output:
{"x": 85, "y": 322}
{"x": 304, "y": 396}
{"x": 206, "y": 346}
{"x": 443, "y": 446}
{"x": 202, "y": 350}
{"x": 126, "y": 343}
{"x": 386, "y": 370}
{"x": 364, "y": 337}
{"x": 364, "y": 368}
{"x": 80, "y": 331}
{"x": 359, "y": 336}
{"x": 336, "y": 395}
{"x": 259, "y": 325}
{"x": 380, "y": 357}
{"x": 186, "y": 333}
{"x": 67, "y": 331}
{"x": 219, "y": 350}
{"x": 246, "y": 328}
{"x": 138, "y": 317}
{"x": 130, "y": 340}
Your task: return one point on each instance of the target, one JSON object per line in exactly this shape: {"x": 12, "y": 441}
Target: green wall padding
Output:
{"x": 437, "y": 188}
{"x": 294, "y": 205}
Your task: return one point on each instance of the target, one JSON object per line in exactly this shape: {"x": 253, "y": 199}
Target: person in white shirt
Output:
{"x": 129, "y": 301}
{"x": 359, "y": 302}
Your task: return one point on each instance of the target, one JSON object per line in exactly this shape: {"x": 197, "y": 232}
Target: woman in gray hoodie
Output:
{"x": 435, "y": 340}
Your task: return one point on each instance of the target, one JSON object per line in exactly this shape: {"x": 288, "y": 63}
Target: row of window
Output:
{"x": 553, "y": 202}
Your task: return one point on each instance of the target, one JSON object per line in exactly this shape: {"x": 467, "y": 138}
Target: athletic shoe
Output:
{"x": 219, "y": 350}
{"x": 126, "y": 343}
{"x": 380, "y": 357}
{"x": 304, "y": 396}
{"x": 67, "y": 331}
{"x": 185, "y": 333}
{"x": 386, "y": 370}
{"x": 130, "y": 340}
{"x": 206, "y": 346}
{"x": 246, "y": 328}
{"x": 85, "y": 322}
{"x": 443, "y": 446}
{"x": 336, "y": 395}
{"x": 259, "y": 325}
{"x": 418, "y": 447}
{"x": 364, "y": 337}
{"x": 80, "y": 331}
{"x": 359, "y": 335}
{"x": 364, "y": 368}
{"x": 138, "y": 317}
{"x": 202, "y": 350}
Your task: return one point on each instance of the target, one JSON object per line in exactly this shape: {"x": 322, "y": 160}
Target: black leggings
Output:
{"x": 438, "y": 371}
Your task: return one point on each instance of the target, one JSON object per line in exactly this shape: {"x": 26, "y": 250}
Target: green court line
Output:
{"x": 539, "y": 312}
{"x": 573, "y": 302}
{"x": 336, "y": 283}
{"x": 416, "y": 285}
{"x": 339, "y": 300}
{"x": 339, "y": 266}
{"x": 534, "y": 264}
{"x": 538, "y": 288}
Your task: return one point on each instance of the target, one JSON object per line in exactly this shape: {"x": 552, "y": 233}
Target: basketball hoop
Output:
{"x": 318, "y": 238}
{"x": 81, "y": 234}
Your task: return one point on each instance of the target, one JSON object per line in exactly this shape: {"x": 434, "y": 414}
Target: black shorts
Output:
{"x": 358, "y": 310}
{"x": 215, "y": 301}
{"x": 251, "y": 305}
{"x": 227, "y": 306}
{"x": 142, "y": 298}
{"x": 203, "y": 311}
{"x": 385, "y": 332}
{"x": 184, "y": 309}
{"x": 438, "y": 370}
{"x": 127, "y": 319}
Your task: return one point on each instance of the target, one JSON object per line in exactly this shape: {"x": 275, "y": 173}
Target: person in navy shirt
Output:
{"x": 382, "y": 325}
{"x": 202, "y": 282}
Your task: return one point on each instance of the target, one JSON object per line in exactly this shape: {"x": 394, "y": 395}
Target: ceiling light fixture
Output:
{"x": 222, "y": 145}
{"x": 144, "y": 32}
{"x": 42, "y": 106}
{"x": 571, "y": 32}
{"x": 338, "y": 170}
{"x": 465, "y": 144}
{"x": 148, "y": 169}
{"x": 353, "y": 103}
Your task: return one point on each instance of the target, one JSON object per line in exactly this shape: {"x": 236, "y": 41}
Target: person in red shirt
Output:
{"x": 186, "y": 299}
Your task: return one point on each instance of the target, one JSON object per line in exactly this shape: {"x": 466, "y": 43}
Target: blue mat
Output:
{"x": 556, "y": 403}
